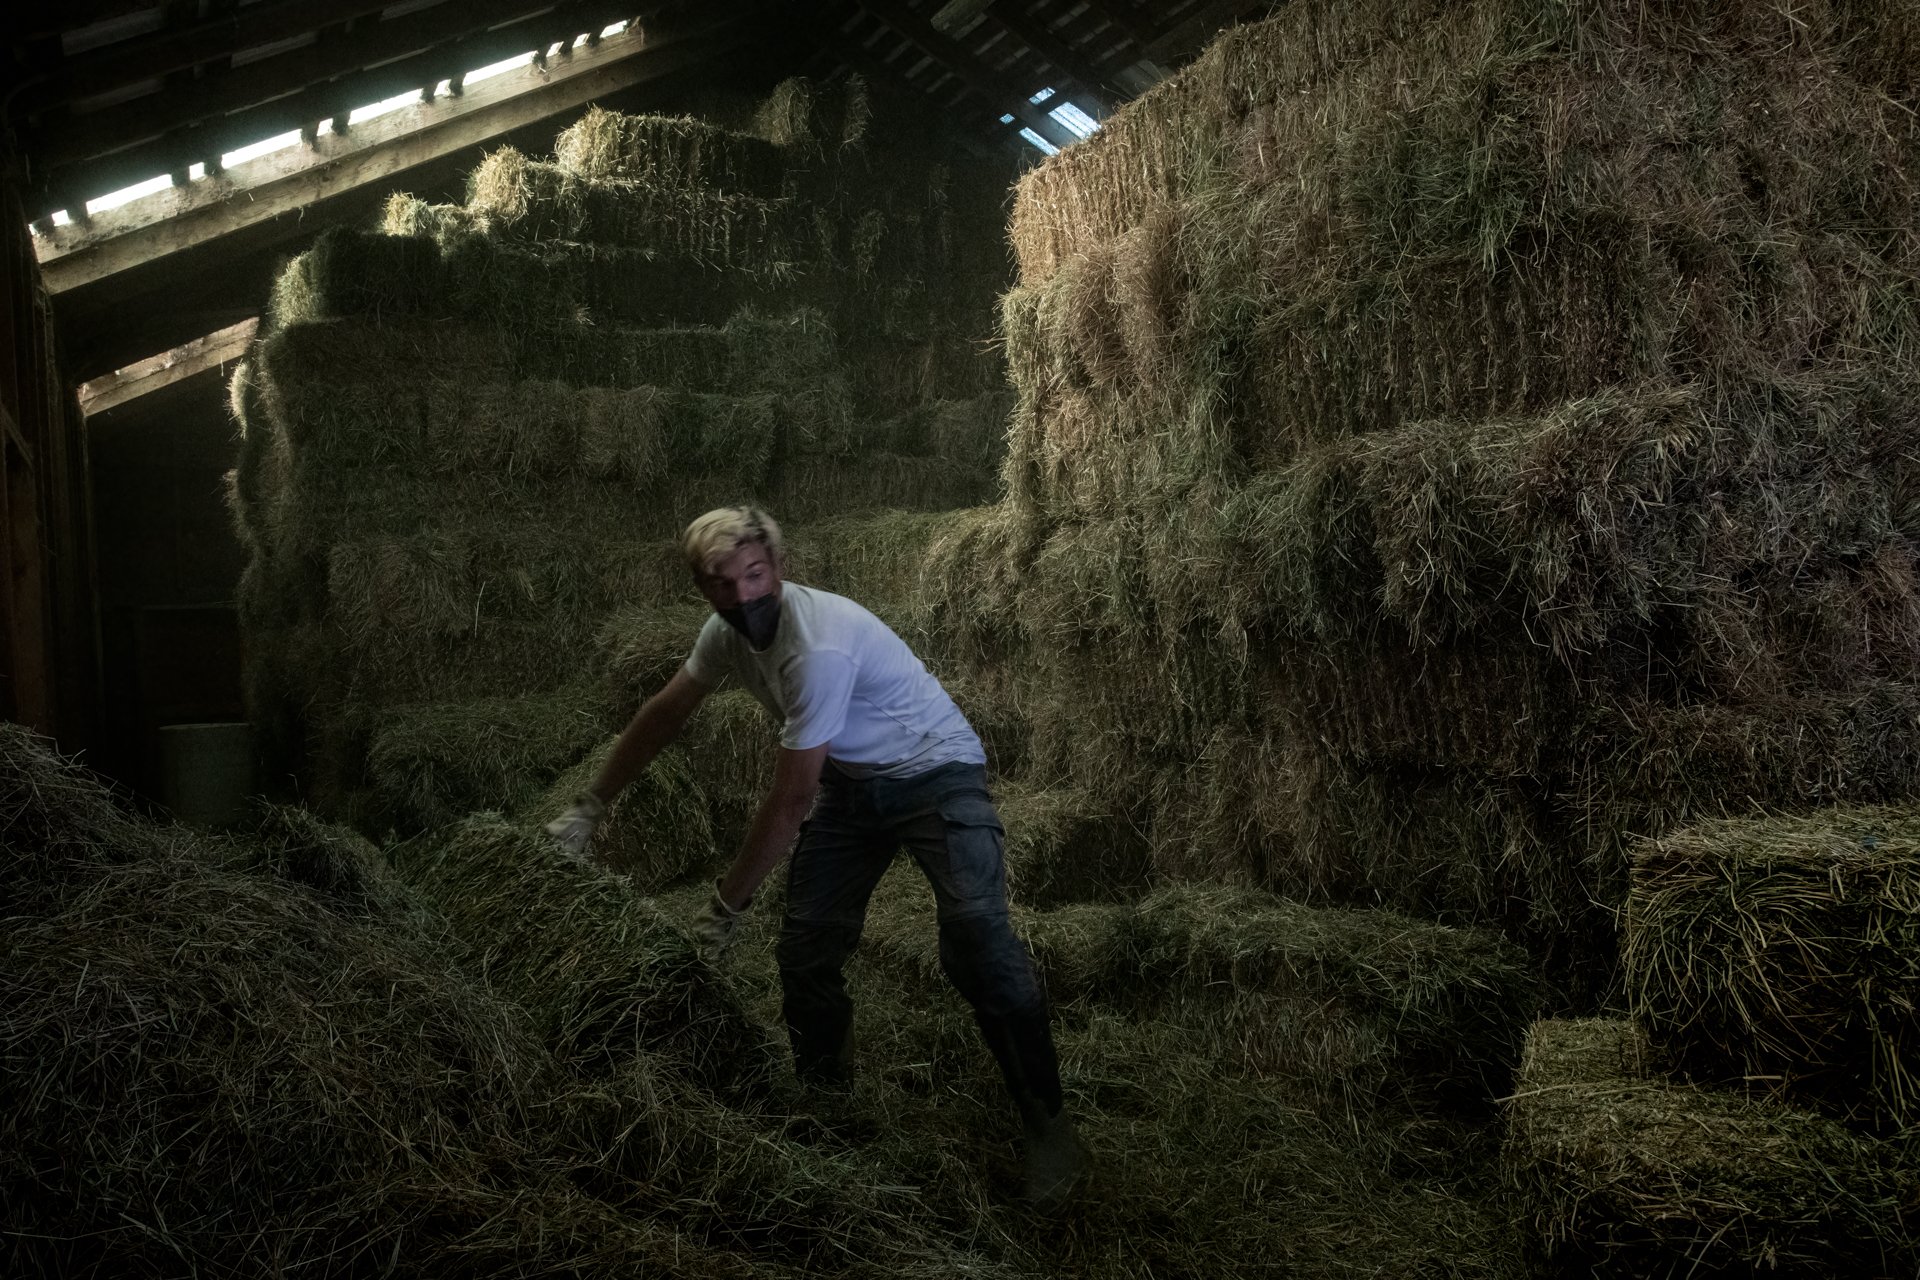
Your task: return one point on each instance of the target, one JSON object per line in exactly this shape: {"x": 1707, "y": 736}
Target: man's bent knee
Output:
{"x": 989, "y": 965}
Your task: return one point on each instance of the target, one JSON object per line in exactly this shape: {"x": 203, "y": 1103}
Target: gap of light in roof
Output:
{"x": 1045, "y": 148}
{"x": 500, "y": 68}
{"x": 263, "y": 147}
{"x": 374, "y": 110}
{"x": 1074, "y": 120}
{"x": 266, "y": 146}
{"x": 114, "y": 199}
{"x": 1043, "y": 95}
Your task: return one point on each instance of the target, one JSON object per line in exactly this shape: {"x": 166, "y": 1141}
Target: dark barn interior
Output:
{"x": 1415, "y": 502}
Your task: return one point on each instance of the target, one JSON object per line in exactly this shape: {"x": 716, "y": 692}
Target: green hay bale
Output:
{"x": 419, "y": 586}
{"x": 810, "y": 489}
{"x": 522, "y": 199}
{"x": 642, "y": 646}
{"x": 1449, "y": 528}
{"x": 1624, "y": 1173}
{"x": 813, "y": 122}
{"x": 406, "y": 215}
{"x": 386, "y": 353}
{"x": 260, "y": 470}
{"x": 1062, "y": 849}
{"x": 433, "y": 763}
{"x": 730, "y": 745}
{"x": 604, "y": 973}
{"x": 351, "y": 273}
{"x": 658, "y": 830}
{"x": 361, "y": 276}
{"x": 687, "y": 358}
{"x": 1774, "y": 952}
{"x": 668, "y": 151}
{"x": 874, "y": 559}
{"x": 1434, "y": 1008}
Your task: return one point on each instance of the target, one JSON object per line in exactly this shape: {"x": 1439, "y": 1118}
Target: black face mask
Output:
{"x": 758, "y": 620}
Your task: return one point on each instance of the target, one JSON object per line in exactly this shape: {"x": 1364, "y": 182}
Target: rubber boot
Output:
{"x": 1058, "y": 1162}
{"x": 823, "y": 1056}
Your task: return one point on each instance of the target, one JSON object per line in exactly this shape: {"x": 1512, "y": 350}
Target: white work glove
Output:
{"x": 572, "y": 830}
{"x": 714, "y": 924}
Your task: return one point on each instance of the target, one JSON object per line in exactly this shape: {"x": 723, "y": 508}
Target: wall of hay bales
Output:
{"x": 471, "y": 434}
{"x": 1456, "y": 440}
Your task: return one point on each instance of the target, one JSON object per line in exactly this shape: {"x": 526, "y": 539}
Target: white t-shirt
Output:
{"x": 836, "y": 674}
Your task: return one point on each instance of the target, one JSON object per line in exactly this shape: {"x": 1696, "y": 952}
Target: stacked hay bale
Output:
{"x": 1455, "y": 439}
{"x": 470, "y": 436}
{"x": 1757, "y": 1108}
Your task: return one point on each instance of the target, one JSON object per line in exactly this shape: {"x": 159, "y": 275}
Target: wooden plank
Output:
{"x": 180, "y": 218}
{"x": 1008, "y": 99}
{"x": 105, "y": 150}
{"x": 180, "y": 48}
{"x": 1091, "y": 85}
{"x": 189, "y": 360}
{"x": 14, "y": 435}
{"x": 1120, "y": 13}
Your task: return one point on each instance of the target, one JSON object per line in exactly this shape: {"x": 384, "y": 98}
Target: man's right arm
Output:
{"x": 657, "y": 722}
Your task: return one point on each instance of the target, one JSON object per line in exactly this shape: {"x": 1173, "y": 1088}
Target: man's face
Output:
{"x": 747, "y": 574}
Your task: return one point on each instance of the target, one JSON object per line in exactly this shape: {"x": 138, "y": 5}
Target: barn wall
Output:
{"x": 168, "y": 568}
{"x": 49, "y": 640}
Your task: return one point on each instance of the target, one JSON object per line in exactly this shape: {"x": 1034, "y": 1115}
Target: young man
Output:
{"x": 873, "y": 755}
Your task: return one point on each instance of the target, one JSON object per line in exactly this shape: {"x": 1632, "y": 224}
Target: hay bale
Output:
{"x": 1625, "y": 1173}
{"x": 642, "y": 646}
{"x": 522, "y": 199}
{"x": 1776, "y": 953}
{"x": 669, "y": 152}
{"x": 730, "y": 746}
{"x": 1061, "y": 848}
{"x": 433, "y": 763}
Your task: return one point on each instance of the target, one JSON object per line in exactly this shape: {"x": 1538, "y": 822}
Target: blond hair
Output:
{"x": 719, "y": 533}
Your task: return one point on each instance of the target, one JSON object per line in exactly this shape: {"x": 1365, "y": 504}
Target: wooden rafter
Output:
{"x": 1002, "y": 96}
{"x": 286, "y": 182}
{"x": 121, "y": 145}
{"x": 189, "y": 360}
{"x": 1091, "y": 83}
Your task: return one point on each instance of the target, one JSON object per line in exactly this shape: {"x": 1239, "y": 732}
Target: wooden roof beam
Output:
{"x": 181, "y": 48}
{"x": 280, "y": 93}
{"x": 188, "y": 360}
{"x": 1043, "y": 40}
{"x": 1004, "y": 97}
{"x": 288, "y": 181}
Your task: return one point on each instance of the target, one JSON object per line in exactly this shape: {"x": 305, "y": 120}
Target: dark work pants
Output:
{"x": 946, "y": 821}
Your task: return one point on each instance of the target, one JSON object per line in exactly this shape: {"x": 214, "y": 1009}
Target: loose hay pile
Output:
{"x": 257, "y": 1051}
{"x": 1628, "y": 1174}
{"x": 1456, "y": 440}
